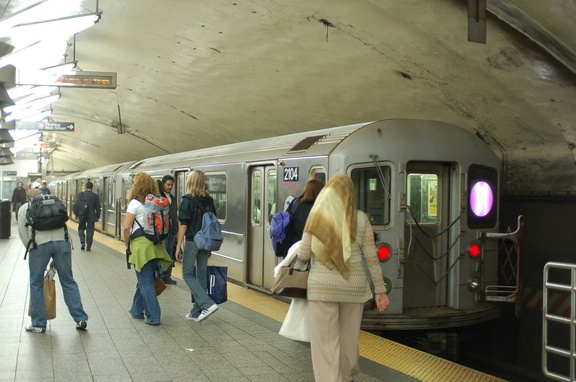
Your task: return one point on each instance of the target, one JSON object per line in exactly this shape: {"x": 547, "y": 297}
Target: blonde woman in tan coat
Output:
{"x": 335, "y": 238}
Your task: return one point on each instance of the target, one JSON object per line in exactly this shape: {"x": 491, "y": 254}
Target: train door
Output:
{"x": 262, "y": 206}
{"x": 108, "y": 206}
{"x": 426, "y": 264}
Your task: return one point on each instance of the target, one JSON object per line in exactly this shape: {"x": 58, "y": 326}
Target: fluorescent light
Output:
{"x": 11, "y": 59}
{"x": 45, "y": 76}
{"x": 36, "y": 104}
{"x": 37, "y": 117}
{"x": 35, "y": 93}
{"x": 64, "y": 27}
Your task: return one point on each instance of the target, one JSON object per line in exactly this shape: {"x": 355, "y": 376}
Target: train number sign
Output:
{"x": 290, "y": 174}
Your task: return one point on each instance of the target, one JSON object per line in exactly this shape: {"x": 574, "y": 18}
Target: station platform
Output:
{"x": 240, "y": 342}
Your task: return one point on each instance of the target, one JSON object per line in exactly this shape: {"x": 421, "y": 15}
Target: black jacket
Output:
{"x": 19, "y": 196}
{"x": 93, "y": 202}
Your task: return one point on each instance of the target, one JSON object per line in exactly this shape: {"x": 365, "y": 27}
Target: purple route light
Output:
{"x": 481, "y": 199}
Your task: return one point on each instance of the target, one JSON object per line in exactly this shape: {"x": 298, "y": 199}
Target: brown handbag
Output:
{"x": 291, "y": 282}
{"x": 159, "y": 285}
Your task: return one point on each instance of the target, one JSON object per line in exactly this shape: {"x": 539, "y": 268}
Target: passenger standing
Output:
{"x": 300, "y": 209}
{"x": 170, "y": 242}
{"x": 335, "y": 238}
{"x": 190, "y": 212}
{"x": 18, "y": 198}
{"x": 45, "y": 190}
{"x": 28, "y": 189}
{"x": 143, "y": 253}
{"x": 55, "y": 245}
{"x": 87, "y": 222}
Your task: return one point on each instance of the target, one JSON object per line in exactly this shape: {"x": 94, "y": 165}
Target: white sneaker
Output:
{"x": 189, "y": 317}
{"x": 206, "y": 312}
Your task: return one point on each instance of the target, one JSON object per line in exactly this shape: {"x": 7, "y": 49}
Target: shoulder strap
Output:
{"x": 362, "y": 228}
{"x": 198, "y": 205}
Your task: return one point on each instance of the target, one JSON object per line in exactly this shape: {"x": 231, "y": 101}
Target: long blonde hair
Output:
{"x": 142, "y": 185}
{"x": 196, "y": 183}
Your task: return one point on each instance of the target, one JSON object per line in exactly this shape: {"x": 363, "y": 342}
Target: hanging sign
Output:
{"x": 45, "y": 126}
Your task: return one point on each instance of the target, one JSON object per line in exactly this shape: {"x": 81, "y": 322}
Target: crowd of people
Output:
{"x": 331, "y": 234}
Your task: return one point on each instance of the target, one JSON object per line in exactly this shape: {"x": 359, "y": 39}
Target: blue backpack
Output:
{"x": 210, "y": 235}
{"x": 280, "y": 228}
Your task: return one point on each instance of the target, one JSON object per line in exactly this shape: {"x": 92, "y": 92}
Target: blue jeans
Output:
{"x": 145, "y": 301}
{"x": 170, "y": 243}
{"x": 86, "y": 233}
{"x": 38, "y": 260}
{"x": 197, "y": 280}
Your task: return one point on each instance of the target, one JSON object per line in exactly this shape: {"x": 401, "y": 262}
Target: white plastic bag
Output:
{"x": 296, "y": 325}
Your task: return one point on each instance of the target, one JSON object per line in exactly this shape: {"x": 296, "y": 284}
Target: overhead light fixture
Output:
{"x": 37, "y": 117}
{"x": 47, "y": 76}
{"x": 40, "y": 10}
{"x": 12, "y": 58}
{"x": 36, "y": 104}
{"x": 35, "y": 93}
{"x": 63, "y": 27}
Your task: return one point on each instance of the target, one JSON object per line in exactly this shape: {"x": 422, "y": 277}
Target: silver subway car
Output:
{"x": 429, "y": 188}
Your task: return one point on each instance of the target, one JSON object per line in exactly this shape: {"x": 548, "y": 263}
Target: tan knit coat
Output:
{"x": 329, "y": 285}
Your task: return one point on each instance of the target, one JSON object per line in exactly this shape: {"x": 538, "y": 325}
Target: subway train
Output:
{"x": 430, "y": 190}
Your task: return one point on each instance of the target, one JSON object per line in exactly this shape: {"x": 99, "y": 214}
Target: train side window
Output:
{"x": 318, "y": 173}
{"x": 372, "y": 189}
{"x": 216, "y": 187}
{"x": 256, "y": 199}
{"x": 423, "y": 198}
{"x": 271, "y": 198}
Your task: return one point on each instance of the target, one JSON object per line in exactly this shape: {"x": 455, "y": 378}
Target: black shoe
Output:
{"x": 81, "y": 325}
{"x": 88, "y": 250}
{"x": 169, "y": 280}
{"x": 82, "y": 247}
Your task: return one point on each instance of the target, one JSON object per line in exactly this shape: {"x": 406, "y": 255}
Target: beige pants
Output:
{"x": 334, "y": 330}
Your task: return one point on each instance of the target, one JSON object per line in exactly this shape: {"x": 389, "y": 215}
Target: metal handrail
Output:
{"x": 548, "y": 317}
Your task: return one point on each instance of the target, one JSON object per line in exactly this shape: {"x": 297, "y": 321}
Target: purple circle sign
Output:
{"x": 481, "y": 199}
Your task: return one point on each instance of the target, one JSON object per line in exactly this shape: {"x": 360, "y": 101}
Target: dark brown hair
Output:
{"x": 311, "y": 191}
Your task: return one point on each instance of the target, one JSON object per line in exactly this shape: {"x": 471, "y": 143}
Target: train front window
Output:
{"x": 216, "y": 187}
{"x": 372, "y": 187}
{"x": 422, "y": 190}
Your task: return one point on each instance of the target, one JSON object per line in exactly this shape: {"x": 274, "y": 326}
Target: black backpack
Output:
{"x": 45, "y": 213}
{"x": 80, "y": 206}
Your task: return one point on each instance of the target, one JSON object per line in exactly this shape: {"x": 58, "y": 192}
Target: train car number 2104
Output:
{"x": 290, "y": 174}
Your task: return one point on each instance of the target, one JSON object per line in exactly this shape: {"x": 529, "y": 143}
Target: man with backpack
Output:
{"x": 170, "y": 242}
{"x": 92, "y": 215}
{"x": 45, "y": 244}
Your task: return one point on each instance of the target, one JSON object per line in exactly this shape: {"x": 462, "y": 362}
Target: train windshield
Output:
{"x": 372, "y": 187}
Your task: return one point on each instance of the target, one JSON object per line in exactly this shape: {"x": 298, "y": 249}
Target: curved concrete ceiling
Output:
{"x": 210, "y": 72}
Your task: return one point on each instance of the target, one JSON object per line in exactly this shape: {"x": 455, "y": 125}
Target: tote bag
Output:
{"x": 296, "y": 325}
{"x": 217, "y": 287}
{"x": 49, "y": 295}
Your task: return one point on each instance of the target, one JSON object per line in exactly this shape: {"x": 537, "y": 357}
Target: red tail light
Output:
{"x": 474, "y": 250}
{"x": 384, "y": 252}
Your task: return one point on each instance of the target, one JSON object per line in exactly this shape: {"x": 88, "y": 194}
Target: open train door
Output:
{"x": 426, "y": 264}
{"x": 261, "y": 207}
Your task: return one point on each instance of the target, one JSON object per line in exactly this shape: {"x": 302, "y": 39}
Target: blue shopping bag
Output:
{"x": 217, "y": 287}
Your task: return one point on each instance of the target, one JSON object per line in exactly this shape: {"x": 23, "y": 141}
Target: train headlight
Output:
{"x": 384, "y": 252}
{"x": 473, "y": 283}
{"x": 474, "y": 250}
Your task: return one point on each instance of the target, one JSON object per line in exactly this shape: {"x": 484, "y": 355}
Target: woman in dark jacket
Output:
{"x": 300, "y": 208}
{"x": 194, "y": 260}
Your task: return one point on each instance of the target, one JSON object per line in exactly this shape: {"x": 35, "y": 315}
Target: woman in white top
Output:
{"x": 143, "y": 253}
